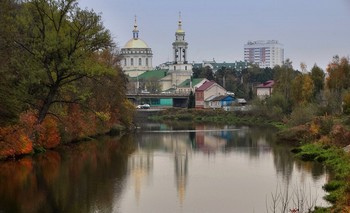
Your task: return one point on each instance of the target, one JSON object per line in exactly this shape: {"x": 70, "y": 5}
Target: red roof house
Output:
{"x": 265, "y": 89}
{"x": 207, "y": 90}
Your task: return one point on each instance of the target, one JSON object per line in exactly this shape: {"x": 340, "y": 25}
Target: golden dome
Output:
{"x": 136, "y": 43}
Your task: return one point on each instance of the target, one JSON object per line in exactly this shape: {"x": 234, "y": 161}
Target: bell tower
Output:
{"x": 180, "y": 70}
{"x": 180, "y": 45}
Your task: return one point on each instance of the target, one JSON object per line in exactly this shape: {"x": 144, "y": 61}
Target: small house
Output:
{"x": 265, "y": 89}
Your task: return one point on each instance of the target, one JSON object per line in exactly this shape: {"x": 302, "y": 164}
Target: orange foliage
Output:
{"x": 47, "y": 133}
{"x": 14, "y": 141}
{"x": 78, "y": 123}
{"x": 314, "y": 128}
{"x": 19, "y": 139}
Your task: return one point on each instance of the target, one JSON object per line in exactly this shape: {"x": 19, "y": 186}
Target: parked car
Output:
{"x": 143, "y": 106}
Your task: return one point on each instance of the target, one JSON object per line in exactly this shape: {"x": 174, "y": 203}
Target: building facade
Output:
{"x": 206, "y": 92}
{"x": 264, "y": 53}
{"x": 137, "y": 56}
{"x": 265, "y": 89}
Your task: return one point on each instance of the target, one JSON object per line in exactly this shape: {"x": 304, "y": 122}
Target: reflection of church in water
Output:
{"x": 141, "y": 166}
{"x": 180, "y": 148}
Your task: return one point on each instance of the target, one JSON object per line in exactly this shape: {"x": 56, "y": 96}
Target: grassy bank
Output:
{"x": 214, "y": 116}
{"x": 323, "y": 140}
{"x": 338, "y": 163}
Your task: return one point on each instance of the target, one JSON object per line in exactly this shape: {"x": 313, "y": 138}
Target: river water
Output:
{"x": 165, "y": 168}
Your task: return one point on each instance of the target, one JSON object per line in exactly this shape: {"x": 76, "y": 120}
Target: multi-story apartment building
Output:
{"x": 264, "y": 53}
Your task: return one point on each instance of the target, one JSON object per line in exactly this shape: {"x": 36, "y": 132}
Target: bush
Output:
{"x": 302, "y": 115}
{"x": 332, "y": 185}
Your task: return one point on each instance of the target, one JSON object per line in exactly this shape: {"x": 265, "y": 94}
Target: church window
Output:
{"x": 140, "y": 61}
{"x": 132, "y": 62}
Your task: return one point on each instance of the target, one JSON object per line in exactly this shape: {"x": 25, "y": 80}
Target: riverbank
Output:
{"x": 22, "y": 146}
{"x": 215, "y": 116}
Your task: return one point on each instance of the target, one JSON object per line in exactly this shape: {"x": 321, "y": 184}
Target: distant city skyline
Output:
{"x": 311, "y": 31}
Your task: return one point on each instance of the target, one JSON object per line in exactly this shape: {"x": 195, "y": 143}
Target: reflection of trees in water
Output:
{"x": 85, "y": 177}
{"x": 285, "y": 162}
{"x": 253, "y": 141}
{"x": 316, "y": 169}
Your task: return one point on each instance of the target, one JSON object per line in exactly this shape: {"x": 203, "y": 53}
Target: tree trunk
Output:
{"x": 47, "y": 103}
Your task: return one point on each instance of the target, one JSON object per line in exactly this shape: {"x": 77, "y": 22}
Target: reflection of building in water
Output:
{"x": 179, "y": 144}
{"x": 181, "y": 172}
{"x": 209, "y": 141}
{"x": 140, "y": 166}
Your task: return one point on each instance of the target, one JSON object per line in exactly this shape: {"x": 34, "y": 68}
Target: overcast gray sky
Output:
{"x": 312, "y": 31}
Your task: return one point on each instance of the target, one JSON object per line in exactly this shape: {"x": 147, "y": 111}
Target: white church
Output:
{"x": 137, "y": 59}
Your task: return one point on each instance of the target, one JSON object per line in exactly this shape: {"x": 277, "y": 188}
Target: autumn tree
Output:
{"x": 338, "y": 79}
{"x": 60, "y": 41}
{"x": 302, "y": 89}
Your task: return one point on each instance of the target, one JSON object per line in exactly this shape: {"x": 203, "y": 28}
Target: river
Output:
{"x": 165, "y": 168}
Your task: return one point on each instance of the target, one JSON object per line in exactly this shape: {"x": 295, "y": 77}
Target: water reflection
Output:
{"x": 77, "y": 179}
{"x": 161, "y": 168}
{"x": 186, "y": 144}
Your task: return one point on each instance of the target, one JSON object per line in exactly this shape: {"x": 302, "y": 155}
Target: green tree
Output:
{"x": 284, "y": 75}
{"x": 12, "y": 91}
{"x": 153, "y": 85}
{"x": 318, "y": 77}
{"x": 60, "y": 42}
{"x": 191, "y": 101}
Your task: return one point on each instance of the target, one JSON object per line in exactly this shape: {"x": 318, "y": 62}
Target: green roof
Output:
{"x": 152, "y": 74}
{"x": 186, "y": 83}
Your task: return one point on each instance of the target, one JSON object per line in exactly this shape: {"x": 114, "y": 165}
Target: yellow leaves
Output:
{"x": 307, "y": 88}
{"x": 302, "y": 89}
{"x": 104, "y": 116}
{"x": 314, "y": 128}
